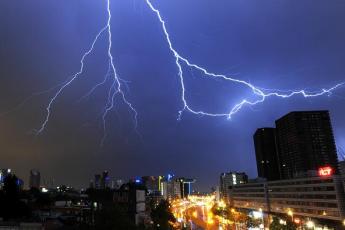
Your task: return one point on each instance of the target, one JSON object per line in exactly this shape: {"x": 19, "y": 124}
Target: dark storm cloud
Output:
{"x": 273, "y": 44}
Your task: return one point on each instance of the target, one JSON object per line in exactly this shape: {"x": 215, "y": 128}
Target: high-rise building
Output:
{"x": 266, "y": 154}
{"x": 305, "y": 143}
{"x": 229, "y": 179}
{"x": 35, "y": 179}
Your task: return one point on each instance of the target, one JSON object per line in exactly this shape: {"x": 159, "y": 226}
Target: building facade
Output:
{"x": 305, "y": 142}
{"x": 132, "y": 198}
{"x": 229, "y": 179}
{"x": 319, "y": 197}
{"x": 152, "y": 184}
{"x": 266, "y": 153}
{"x": 171, "y": 189}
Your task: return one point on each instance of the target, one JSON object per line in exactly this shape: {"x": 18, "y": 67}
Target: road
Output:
{"x": 196, "y": 213}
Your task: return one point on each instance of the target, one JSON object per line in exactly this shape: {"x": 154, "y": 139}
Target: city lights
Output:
{"x": 283, "y": 222}
{"x": 297, "y": 220}
{"x": 290, "y": 213}
{"x": 257, "y": 215}
{"x": 310, "y": 224}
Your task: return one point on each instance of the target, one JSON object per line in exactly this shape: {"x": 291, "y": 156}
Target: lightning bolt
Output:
{"x": 261, "y": 93}
{"x": 92, "y": 90}
{"x": 116, "y": 87}
{"x": 114, "y": 90}
{"x": 26, "y": 100}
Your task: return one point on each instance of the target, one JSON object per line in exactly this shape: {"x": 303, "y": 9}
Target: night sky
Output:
{"x": 271, "y": 43}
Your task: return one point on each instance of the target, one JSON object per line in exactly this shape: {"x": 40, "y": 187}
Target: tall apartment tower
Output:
{"x": 266, "y": 154}
{"x": 305, "y": 142}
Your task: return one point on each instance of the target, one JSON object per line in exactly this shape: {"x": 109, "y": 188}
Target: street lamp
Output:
{"x": 290, "y": 213}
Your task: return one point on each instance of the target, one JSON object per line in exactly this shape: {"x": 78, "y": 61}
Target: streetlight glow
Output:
{"x": 310, "y": 224}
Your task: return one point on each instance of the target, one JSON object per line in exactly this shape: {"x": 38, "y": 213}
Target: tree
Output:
{"x": 162, "y": 216}
{"x": 238, "y": 217}
{"x": 276, "y": 225}
{"x": 11, "y": 207}
{"x": 253, "y": 223}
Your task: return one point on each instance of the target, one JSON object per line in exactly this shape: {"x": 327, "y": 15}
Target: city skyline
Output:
{"x": 264, "y": 139}
{"x": 39, "y": 58}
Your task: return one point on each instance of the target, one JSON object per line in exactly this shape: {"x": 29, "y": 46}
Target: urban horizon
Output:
{"x": 49, "y": 182}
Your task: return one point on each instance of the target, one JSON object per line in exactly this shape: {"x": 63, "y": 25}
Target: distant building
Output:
{"x": 105, "y": 180}
{"x": 35, "y": 179}
{"x": 119, "y": 183}
{"x": 305, "y": 143}
{"x": 229, "y": 179}
{"x": 97, "y": 182}
{"x": 20, "y": 183}
{"x": 3, "y": 174}
{"x": 177, "y": 188}
{"x": 186, "y": 186}
{"x": 152, "y": 184}
{"x": 171, "y": 189}
{"x": 91, "y": 184}
{"x": 266, "y": 154}
{"x": 101, "y": 181}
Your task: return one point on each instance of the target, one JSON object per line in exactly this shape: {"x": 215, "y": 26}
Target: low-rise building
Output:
{"x": 319, "y": 197}
{"x": 132, "y": 196}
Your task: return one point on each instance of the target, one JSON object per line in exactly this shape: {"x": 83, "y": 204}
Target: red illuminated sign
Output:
{"x": 325, "y": 171}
